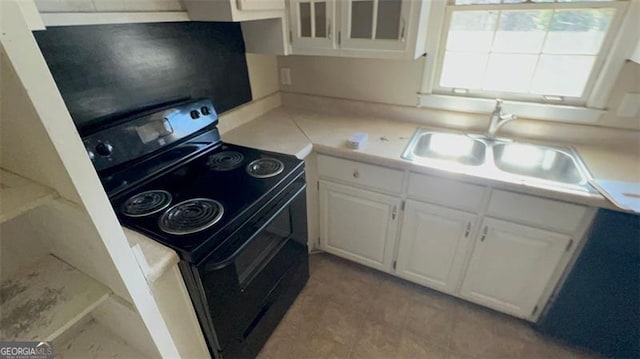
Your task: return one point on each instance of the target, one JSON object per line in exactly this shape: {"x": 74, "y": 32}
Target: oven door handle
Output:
{"x": 254, "y": 230}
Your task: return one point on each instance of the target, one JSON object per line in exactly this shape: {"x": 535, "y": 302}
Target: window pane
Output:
{"x": 305, "y": 19}
{"x": 472, "y": 30}
{"x": 562, "y": 75}
{"x": 510, "y": 73}
{"x": 463, "y": 69}
{"x": 320, "y": 9}
{"x": 389, "y": 14}
{"x": 521, "y": 31}
{"x": 528, "y": 51}
{"x": 361, "y": 19}
{"x": 578, "y": 31}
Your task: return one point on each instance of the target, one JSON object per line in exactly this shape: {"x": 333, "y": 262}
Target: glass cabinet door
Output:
{"x": 375, "y": 24}
{"x": 312, "y": 24}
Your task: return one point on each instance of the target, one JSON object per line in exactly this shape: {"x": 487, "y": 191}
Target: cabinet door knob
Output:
{"x": 356, "y": 174}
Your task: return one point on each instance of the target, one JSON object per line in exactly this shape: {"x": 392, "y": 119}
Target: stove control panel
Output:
{"x": 144, "y": 134}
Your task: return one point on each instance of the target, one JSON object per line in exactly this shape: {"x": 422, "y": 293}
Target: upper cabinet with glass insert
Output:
{"x": 359, "y": 28}
{"x": 375, "y": 24}
{"x": 312, "y": 24}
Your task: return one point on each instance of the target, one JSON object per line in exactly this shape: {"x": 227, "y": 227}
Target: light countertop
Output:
{"x": 275, "y": 131}
{"x": 298, "y": 132}
{"x": 153, "y": 258}
{"x": 612, "y": 165}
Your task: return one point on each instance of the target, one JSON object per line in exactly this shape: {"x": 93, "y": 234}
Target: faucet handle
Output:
{"x": 507, "y": 117}
{"x": 499, "y": 103}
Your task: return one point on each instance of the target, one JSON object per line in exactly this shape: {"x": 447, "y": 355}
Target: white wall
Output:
{"x": 384, "y": 81}
{"x": 397, "y": 82}
{"x": 20, "y": 121}
{"x": 628, "y": 81}
{"x": 263, "y": 74}
{"x": 265, "y": 87}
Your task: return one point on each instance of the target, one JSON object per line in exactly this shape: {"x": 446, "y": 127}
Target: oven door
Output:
{"x": 244, "y": 279}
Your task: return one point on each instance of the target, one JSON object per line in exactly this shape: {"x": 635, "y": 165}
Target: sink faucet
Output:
{"x": 498, "y": 119}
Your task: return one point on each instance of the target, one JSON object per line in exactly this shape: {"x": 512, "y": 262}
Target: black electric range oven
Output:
{"x": 235, "y": 215}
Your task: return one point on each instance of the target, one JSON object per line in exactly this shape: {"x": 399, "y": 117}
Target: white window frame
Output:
{"x": 618, "y": 46}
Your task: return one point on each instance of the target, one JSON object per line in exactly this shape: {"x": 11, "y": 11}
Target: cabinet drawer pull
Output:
{"x": 356, "y": 174}
{"x": 484, "y": 234}
{"x": 329, "y": 29}
{"x": 402, "y": 29}
{"x": 466, "y": 232}
{"x": 394, "y": 212}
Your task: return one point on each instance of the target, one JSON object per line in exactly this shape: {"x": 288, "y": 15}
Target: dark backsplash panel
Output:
{"x": 102, "y": 70}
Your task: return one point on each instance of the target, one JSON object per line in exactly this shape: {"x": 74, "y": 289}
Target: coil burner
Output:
{"x": 265, "y": 168}
{"x": 146, "y": 203}
{"x": 191, "y": 216}
{"x": 225, "y": 161}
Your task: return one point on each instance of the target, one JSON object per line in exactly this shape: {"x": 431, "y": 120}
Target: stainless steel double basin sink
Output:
{"x": 499, "y": 159}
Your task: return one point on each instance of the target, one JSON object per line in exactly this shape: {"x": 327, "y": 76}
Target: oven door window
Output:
{"x": 263, "y": 247}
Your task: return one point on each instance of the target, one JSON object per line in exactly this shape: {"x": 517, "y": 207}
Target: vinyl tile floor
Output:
{"x": 349, "y": 311}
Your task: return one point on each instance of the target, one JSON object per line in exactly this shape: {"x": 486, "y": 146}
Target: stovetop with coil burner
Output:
{"x": 170, "y": 176}
{"x": 235, "y": 215}
{"x": 196, "y": 228}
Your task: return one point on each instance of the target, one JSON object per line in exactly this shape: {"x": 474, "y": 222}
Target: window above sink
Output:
{"x": 542, "y": 51}
{"x": 549, "y": 59}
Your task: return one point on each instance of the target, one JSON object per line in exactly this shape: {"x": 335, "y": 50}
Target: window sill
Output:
{"x": 538, "y": 111}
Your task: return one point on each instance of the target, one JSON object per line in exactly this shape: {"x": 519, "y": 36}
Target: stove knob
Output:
{"x": 92, "y": 156}
{"x": 205, "y": 110}
{"x": 195, "y": 114}
{"x": 104, "y": 149}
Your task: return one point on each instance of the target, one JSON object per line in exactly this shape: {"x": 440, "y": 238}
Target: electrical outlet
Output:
{"x": 285, "y": 76}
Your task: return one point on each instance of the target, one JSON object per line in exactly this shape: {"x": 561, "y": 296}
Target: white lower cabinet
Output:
{"x": 358, "y": 225}
{"x": 432, "y": 245}
{"x": 511, "y": 265}
{"x": 500, "y": 249}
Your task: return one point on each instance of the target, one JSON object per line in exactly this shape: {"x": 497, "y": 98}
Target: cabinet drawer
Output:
{"x": 359, "y": 173}
{"x": 536, "y": 211}
{"x": 446, "y": 192}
